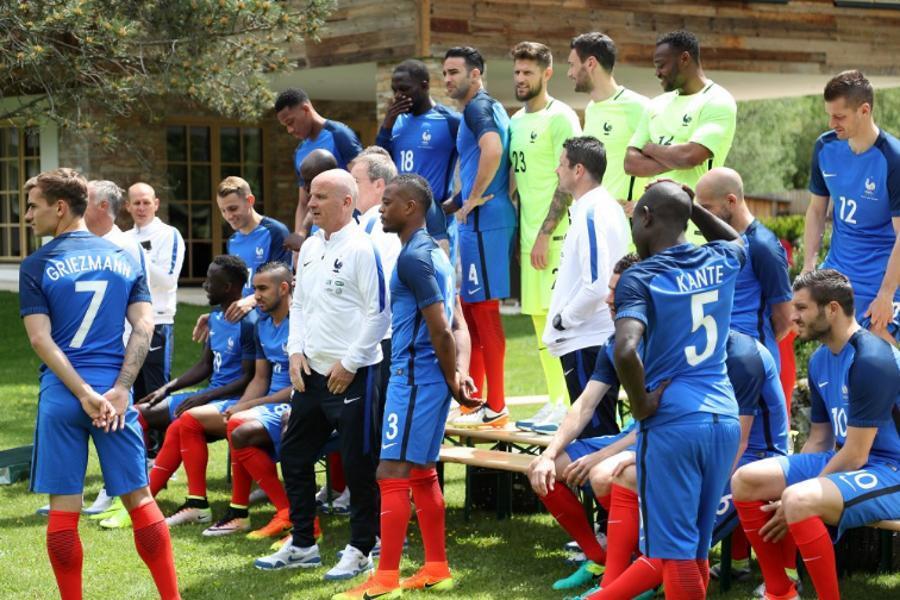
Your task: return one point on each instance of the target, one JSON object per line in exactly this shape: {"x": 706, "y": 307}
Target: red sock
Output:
{"x": 262, "y": 469}
{"x": 788, "y": 373}
{"x": 740, "y": 547}
{"x": 66, "y": 554}
{"x": 240, "y": 478}
{"x": 426, "y": 493}
{"x": 768, "y": 555}
{"x": 195, "y": 454}
{"x": 622, "y": 532}
{"x": 604, "y": 501}
{"x": 682, "y": 580}
{"x": 395, "y": 511}
{"x": 493, "y": 344}
{"x": 168, "y": 459}
{"x": 476, "y": 356}
{"x": 815, "y": 547}
{"x": 703, "y": 565}
{"x": 789, "y": 552}
{"x": 568, "y": 511}
{"x": 336, "y": 472}
{"x": 643, "y": 574}
{"x": 151, "y": 538}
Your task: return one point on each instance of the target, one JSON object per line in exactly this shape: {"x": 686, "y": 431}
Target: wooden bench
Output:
{"x": 506, "y": 439}
{"x": 505, "y": 463}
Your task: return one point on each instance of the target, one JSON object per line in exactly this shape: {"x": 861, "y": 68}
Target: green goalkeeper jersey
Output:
{"x": 535, "y": 144}
{"x": 613, "y": 121}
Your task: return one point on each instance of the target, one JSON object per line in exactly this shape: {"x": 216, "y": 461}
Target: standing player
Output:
{"x": 613, "y": 113}
{"x": 296, "y": 113}
{"x": 536, "y": 135}
{"x": 104, "y": 203}
{"x": 688, "y": 129}
{"x": 854, "y": 384}
{"x": 688, "y": 420}
{"x": 762, "y": 296}
{"x": 487, "y": 224}
{"x": 857, "y": 165}
{"x": 420, "y": 135}
{"x": 425, "y": 374}
{"x": 579, "y": 320}
{"x": 76, "y": 292}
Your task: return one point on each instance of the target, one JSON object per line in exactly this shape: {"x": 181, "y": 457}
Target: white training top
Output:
{"x": 164, "y": 249}
{"x": 388, "y": 245}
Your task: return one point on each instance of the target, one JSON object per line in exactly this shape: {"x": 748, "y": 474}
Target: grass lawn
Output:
{"x": 517, "y": 558}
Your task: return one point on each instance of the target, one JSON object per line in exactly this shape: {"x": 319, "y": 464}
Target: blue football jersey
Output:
{"x": 858, "y": 387}
{"x": 271, "y": 345}
{"x": 762, "y": 283}
{"x": 230, "y": 343}
{"x": 757, "y": 388}
{"x": 481, "y": 115}
{"x": 335, "y": 137}
{"x": 85, "y": 285}
{"x": 684, "y": 296}
{"x": 605, "y": 371}
{"x": 263, "y": 244}
{"x": 423, "y": 277}
{"x": 865, "y": 190}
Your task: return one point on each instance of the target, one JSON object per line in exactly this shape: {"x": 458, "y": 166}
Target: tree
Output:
{"x": 82, "y": 63}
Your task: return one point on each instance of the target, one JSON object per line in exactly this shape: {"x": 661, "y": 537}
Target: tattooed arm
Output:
{"x": 541, "y": 249}
{"x": 140, "y": 316}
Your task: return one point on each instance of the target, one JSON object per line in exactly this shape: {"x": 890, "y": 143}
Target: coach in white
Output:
{"x": 579, "y": 321}
{"x": 164, "y": 249}
{"x": 339, "y": 314}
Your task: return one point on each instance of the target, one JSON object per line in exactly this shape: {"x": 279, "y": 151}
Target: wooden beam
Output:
{"x": 423, "y": 17}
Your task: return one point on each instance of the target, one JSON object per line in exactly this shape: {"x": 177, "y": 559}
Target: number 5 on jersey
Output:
{"x": 707, "y": 322}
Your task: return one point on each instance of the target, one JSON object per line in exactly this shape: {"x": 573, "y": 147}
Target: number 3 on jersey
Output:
{"x": 707, "y": 322}
{"x": 98, "y": 289}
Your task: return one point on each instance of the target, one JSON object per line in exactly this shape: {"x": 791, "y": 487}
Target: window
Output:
{"x": 198, "y": 157}
{"x": 20, "y": 159}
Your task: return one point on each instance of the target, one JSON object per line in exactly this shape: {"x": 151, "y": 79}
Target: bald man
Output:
{"x": 164, "y": 251}
{"x": 339, "y": 315}
{"x": 317, "y": 161}
{"x": 762, "y": 297}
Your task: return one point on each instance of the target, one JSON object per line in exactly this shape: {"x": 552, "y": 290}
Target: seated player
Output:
{"x": 188, "y": 417}
{"x": 847, "y": 472}
{"x": 764, "y": 433}
{"x": 426, "y": 371}
{"x": 254, "y": 423}
{"x": 578, "y": 461}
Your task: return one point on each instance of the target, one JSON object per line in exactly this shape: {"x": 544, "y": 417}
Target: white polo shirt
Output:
{"x": 597, "y": 238}
{"x": 388, "y": 245}
{"x": 164, "y": 248}
{"x": 340, "y": 310}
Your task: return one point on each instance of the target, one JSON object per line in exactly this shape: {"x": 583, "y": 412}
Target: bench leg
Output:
{"x": 886, "y": 544}
{"x": 439, "y": 467}
{"x": 228, "y": 464}
{"x": 504, "y": 495}
{"x": 725, "y": 565}
{"x": 467, "y": 503}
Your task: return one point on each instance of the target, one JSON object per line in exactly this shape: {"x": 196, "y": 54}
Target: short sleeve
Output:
{"x": 716, "y": 125}
{"x": 816, "y": 180}
{"x": 746, "y": 371}
{"x": 873, "y": 383}
{"x": 771, "y": 269}
{"x": 563, "y": 126}
{"x": 277, "y": 251}
{"x": 479, "y": 116}
{"x": 139, "y": 290}
{"x": 891, "y": 152}
{"x": 604, "y": 367}
{"x": 31, "y": 297}
{"x": 415, "y": 271}
{"x": 436, "y": 221}
{"x": 632, "y": 297}
{"x": 248, "y": 338}
{"x": 818, "y": 411}
{"x": 346, "y": 143}
{"x": 257, "y": 335}
{"x": 729, "y": 249}
{"x": 641, "y": 135}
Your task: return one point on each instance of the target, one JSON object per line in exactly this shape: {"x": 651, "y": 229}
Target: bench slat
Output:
{"x": 889, "y": 525}
{"x": 508, "y": 435}
{"x": 491, "y": 459}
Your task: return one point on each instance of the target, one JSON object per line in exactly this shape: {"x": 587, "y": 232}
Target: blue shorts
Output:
{"x": 862, "y": 302}
{"x": 726, "y": 515}
{"x": 682, "y": 468}
{"x": 870, "y": 494}
{"x": 414, "y": 419}
{"x": 175, "y": 401}
{"x": 270, "y": 417}
{"x": 60, "y": 455}
{"x": 485, "y": 259}
{"x": 586, "y": 446}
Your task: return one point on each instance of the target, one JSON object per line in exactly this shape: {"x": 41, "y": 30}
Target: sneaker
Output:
{"x": 550, "y": 425}
{"x": 584, "y": 595}
{"x": 369, "y": 590}
{"x": 112, "y": 510}
{"x": 278, "y": 526}
{"x": 290, "y": 556}
{"x": 101, "y": 503}
{"x": 324, "y": 496}
{"x": 352, "y": 563}
{"x": 189, "y": 513}
{"x": 376, "y": 549}
{"x": 43, "y": 511}
{"x": 258, "y": 496}
{"x": 119, "y": 519}
{"x": 483, "y": 418}
{"x": 760, "y": 591}
{"x": 586, "y": 574}
{"x": 738, "y": 573}
{"x": 538, "y": 417}
{"x": 576, "y": 558}
{"x": 430, "y": 579}
{"x": 340, "y": 504}
{"x": 234, "y": 521}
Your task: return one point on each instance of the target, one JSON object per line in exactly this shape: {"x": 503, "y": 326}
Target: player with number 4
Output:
{"x": 854, "y": 385}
